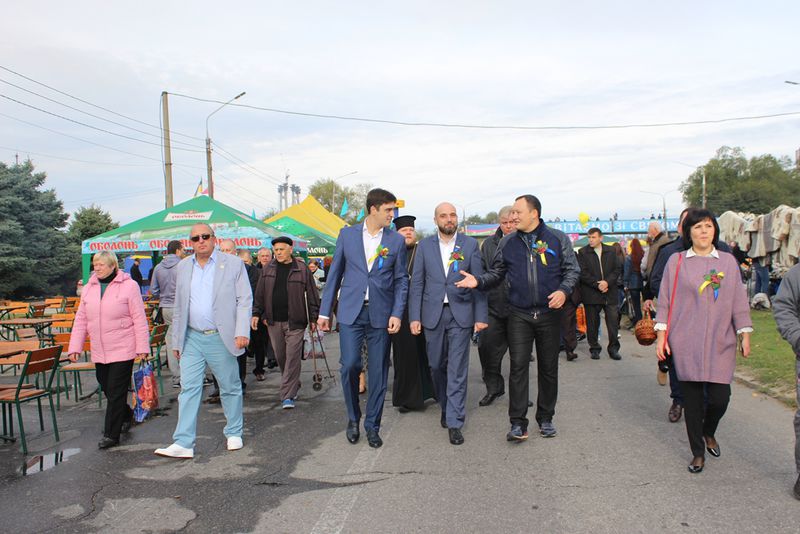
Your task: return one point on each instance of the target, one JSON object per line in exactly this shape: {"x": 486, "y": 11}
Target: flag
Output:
{"x": 344, "y": 209}
{"x": 199, "y": 191}
{"x": 360, "y": 215}
{"x": 254, "y": 213}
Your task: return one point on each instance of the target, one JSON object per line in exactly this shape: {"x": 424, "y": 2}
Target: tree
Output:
{"x": 33, "y": 247}
{"x": 89, "y": 222}
{"x": 489, "y": 218}
{"x": 332, "y": 196}
{"x": 733, "y": 182}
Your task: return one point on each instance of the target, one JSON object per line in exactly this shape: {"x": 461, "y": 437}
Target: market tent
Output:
{"x": 311, "y": 213}
{"x": 152, "y": 233}
{"x": 319, "y": 244}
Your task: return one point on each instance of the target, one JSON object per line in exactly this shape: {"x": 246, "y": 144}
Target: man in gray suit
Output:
{"x": 211, "y": 326}
{"x": 449, "y": 315}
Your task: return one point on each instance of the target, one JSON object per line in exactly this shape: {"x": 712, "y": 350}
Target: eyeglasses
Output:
{"x": 204, "y": 237}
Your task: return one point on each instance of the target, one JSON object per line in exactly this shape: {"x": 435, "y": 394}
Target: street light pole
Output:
{"x": 208, "y": 146}
{"x": 333, "y": 190}
{"x": 663, "y": 203}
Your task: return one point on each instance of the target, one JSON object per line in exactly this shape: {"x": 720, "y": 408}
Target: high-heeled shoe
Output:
{"x": 694, "y": 467}
{"x": 713, "y": 451}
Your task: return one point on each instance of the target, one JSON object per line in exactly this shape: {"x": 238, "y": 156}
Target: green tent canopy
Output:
{"x": 319, "y": 244}
{"x": 154, "y": 232}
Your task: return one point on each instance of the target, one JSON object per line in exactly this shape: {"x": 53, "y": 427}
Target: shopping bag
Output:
{"x": 313, "y": 344}
{"x": 144, "y": 392}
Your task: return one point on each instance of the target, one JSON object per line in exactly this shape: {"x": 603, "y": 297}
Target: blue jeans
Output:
{"x": 199, "y": 350}
{"x": 762, "y": 278}
{"x": 351, "y": 337}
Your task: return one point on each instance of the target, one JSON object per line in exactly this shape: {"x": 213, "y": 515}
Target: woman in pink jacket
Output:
{"x": 112, "y": 314}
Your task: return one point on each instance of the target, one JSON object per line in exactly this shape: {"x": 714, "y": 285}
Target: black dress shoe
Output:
{"x": 713, "y": 451}
{"x": 443, "y": 420}
{"x": 456, "y": 438}
{"x": 489, "y": 398}
{"x": 374, "y": 439}
{"x": 352, "y": 432}
{"x": 107, "y": 443}
{"x": 595, "y": 355}
{"x": 697, "y": 465}
{"x": 126, "y": 426}
{"x": 571, "y": 356}
{"x": 403, "y": 409}
{"x": 614, "y": 355}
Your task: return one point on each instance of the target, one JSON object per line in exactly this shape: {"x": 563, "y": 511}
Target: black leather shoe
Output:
{"x": 713, "y": 451}
{"x": 352, "y": 432}
{"x": 456, "y": 438}
{"x": 697, "y": 465}
{"x": 614, "y": 355}
{"x": 489, "y": 398}
{"x": 571, "y": 356}
{"x": 126, "y": 426}
{"x": 403, "y": 409}
{"x": 107, "y": 443}
{"x": 595, "y": 355}
{"x": 443, "y": 420}
{"x": 374, "y": 439}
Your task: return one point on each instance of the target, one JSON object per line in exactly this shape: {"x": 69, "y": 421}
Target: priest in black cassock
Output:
{"x": 412, "y": 384}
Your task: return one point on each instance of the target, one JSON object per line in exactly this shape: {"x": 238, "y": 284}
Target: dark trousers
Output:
{"x": 115, "y": 379}
{"x": 448, "y": 355}
{"x": 702, "y": 420}
{"x": 492, "y": 346}
{"x": 351, "y": 338}
{"x": 636, "y": 301}
{"x": 261, "y": 347}
{"x": 675, "y": 386}
{"x": 569, "y": 325}
{"x": 523, "y": 330}
{"x": 593, "y": 326}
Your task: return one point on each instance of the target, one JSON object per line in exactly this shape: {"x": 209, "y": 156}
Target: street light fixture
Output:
{"x": 208, "y": 145}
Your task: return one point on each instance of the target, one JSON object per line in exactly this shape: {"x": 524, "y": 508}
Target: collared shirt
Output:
{"x": 371, "y": 243}
{"x": 446, "y": 250}
{"x": 691, "y": 253}
{"x": 599, "y": 251}
{"x": 201, "y": 297}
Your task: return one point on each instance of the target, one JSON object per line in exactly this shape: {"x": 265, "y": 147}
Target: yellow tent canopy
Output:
{"x": 311, "y": 213}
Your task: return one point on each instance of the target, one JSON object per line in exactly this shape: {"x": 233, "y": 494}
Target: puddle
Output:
{"x": 37, "y": 464}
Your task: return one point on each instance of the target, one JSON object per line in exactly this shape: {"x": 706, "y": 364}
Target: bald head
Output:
{"x": 227, "y": 246}
{"x": 446, "y": 218}
{"x": 200, "y": 228}
{"x": 653, "y": 229}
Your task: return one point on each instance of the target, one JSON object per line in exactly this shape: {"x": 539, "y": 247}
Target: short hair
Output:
{"x": 263, "y": 248}
{"x": 654, "y": 225}
{"x": 595, "y": 230}
{"x": 107, "y": 257}
{"x": 174, "y": 246}
{"x": 694, "y": 216}
{"x": 210, "y": 230}
{"x": 379, "y": 197}
{"x": 505, "y": 211}
{"x": 533, "y": 203}
{"x": 228, "y": 241}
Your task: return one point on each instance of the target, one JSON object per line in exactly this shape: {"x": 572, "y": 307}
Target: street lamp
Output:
{"x": 663, "y": 202}
{"x": 208, "y": 145}
{"x": 333, "y": 190}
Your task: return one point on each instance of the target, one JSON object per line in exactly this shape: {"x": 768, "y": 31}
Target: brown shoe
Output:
{"x": 675, "y": 412}
{"x": 260, "y": 377}
{"x": 362, "y": 382}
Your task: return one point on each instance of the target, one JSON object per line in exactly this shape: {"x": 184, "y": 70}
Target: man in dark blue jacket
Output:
{"x": 539, "y": 266}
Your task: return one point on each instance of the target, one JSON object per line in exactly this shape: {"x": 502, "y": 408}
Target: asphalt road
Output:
{"x": 617, "y": 465}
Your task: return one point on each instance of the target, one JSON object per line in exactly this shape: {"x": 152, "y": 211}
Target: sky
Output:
{"x": 520, "y": 64}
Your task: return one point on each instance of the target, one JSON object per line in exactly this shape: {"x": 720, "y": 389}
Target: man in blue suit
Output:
{"x": 449, "y": 314}
{"x": 369, "y": 267}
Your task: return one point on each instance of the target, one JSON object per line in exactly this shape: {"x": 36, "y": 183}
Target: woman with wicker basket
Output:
{"x": 703, "y": 306}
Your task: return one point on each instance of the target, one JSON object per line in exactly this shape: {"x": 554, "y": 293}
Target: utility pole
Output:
{"x": 704, "y": 188}
{"x": 208, "y": 169}
{"x": 168, "y": 199}
{"x": 286, "y": 191}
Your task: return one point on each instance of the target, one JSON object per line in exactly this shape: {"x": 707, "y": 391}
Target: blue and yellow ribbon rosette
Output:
{"x": 714, "y": 280}
{"x": 380, "y": 253}
{"x": 541, "y": 248}
{"x": 455, "y": 257}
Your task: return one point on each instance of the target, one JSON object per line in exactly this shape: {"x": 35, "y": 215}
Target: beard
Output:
{"x": 447, "y": 230}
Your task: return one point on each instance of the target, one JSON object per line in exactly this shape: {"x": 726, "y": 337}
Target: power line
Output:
{"x": 248, "y": 170}
{"x": 493, "y": 126}
{"x": 237, "y": 158}
{"x": 89, "y": 125}
{"x": 94, "y": 105}
{"x": 78, "y": 138}
{"x": 157, "y": 136}
{"x": 110, "y": 163}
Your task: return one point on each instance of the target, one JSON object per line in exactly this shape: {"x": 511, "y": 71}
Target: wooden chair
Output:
{"x": 72, "y": 302}
{"x": 37, "y": 310}
{"x": 63, "y": 316}
{"x": 26, "y": 334}
{"x": 56, "y": 304}
{"x": 44, "y": 361}
{"x": 75, "y": 369}
{"x": 21, "y": 309}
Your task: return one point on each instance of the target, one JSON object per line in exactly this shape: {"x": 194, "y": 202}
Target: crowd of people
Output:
{"x": 425, "y": 302}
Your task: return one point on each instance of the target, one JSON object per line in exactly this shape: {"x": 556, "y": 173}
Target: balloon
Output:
{"x": 583, "y": 218}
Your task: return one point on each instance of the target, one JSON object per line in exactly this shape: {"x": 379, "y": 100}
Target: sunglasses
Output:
{"x": 204, "y": 237}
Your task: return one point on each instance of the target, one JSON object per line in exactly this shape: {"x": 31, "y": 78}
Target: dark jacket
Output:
{"x": 498, "y": 296}
{"x": 530, "y": 279}
{"x": 136, "y": 274}
{"x": 253, "y": 274}
{"x": 300, "y": 286}
{"x": 591, "y": 275}
{"x": 631, "y": 278}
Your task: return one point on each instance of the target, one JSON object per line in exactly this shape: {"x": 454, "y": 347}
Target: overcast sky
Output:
{"x": 482, "y": 63}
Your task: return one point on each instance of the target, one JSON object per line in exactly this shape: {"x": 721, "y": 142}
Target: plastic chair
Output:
{"x": 43, "y": 361}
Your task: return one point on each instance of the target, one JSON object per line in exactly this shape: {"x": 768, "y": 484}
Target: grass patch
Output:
{"x": 772, "y": 360}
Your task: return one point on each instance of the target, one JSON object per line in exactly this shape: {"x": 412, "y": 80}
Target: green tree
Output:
{"x": 34, "y": 256}
{"x": 332, "y": 196}
{"x": 88, "y": 222}
{"x": 733, "y": 182}
{"x": 489, "y": 218}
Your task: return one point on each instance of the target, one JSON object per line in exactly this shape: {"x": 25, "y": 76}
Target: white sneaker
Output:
{"x": 176, "y": 451}
{"x": 235, "y": 443}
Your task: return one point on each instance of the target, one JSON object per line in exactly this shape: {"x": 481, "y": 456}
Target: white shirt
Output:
{"x": 446, "y": 249}
{"x": 371, "y": 243}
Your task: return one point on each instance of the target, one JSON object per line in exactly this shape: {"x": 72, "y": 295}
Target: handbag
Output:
{"x": 145, "y": 393}
{"x": 645, "y": 330}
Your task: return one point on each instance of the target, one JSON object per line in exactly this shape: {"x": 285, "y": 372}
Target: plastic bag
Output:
{"x": 145, "y": 392}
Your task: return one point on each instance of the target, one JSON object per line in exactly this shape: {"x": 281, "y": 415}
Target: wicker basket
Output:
{"x": 645, "y": 330}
